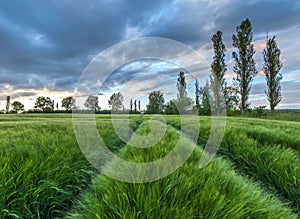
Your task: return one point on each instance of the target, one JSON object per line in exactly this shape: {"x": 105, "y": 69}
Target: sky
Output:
{"x": 45, "y": 46}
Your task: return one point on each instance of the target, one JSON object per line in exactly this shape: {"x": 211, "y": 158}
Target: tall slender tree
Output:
{"x": 197, "y": 93}
{"x": 205, "y": 99}
{"x": 7, "y": 104}
{"x": 218, "y": 69}
{"x": 272, "y": 66}
{"x": 130, "y": 105}
{"x": 183, "y": 103}
{"x": 52, "y": 105}
{"x": 139, "y": 105}
{"x": 244, "y": 63}
{"x": 135, "y": 106}
{"x": 181, "y": 86}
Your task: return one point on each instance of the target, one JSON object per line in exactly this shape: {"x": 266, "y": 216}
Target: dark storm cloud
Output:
{"x": 265, "y": 15}
{"x": 64, "y": 83}
{"x": 194, "y": 22}
{"x": 61, "y": 37}
{"x": 21, "y": 81}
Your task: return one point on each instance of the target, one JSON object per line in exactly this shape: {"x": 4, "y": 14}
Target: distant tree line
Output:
{"x": 215, "y": 96}
{"x": 46, "y": 105}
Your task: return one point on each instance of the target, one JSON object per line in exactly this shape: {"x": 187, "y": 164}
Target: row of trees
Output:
{"x": 244, "y": 67}
{"x": 45, "y": 104}
{"x": 216, "y": 95}
{"x": 16, "y": 105}
{"x": 183, "y": 103}
{"x": 41, "y": 104}
{"x": 237, "y": 95}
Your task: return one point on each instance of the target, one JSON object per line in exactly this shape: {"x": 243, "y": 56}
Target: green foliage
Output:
{"x": 17, "y": 106}
{"x": 261, "y": 153}
{"x": 131, "y": 104}
{"x": 260, "y": 111}
{"x": 278, "y": 169}
{"x": 287, "y": 115}
{"x": 43, "y": 173}
{"x": 44, "y": 104}
{"x": 171, "y": 108}
{"x": 244, "y": 63}
{"x": 271, "y": 68}
{"x": 42, "y": 168}
{"x": 139, "y": 105}
{"x": 135, "y": 106}
{"x": 92, "y": 103}
{"x": 184, "y": 105}
{"x": 215, "y": 191}
{"x": 203, "y": 98}
{"x": 7, "y": 104}
{"x": 218, "y": 69}
{"x": 205, "y": 106}
{"x": 181, "y": 85}
{"x": 156, "y": 102}
{"x": 231, "y": 98}
{"x": 116, "y": 102}
{"x": 197, "y": 93}
{"x": 68, "y": 103}
{"x": 283, "y": 136}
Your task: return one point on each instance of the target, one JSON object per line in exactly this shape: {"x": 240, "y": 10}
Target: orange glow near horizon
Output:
{"x": 29, "y": 101}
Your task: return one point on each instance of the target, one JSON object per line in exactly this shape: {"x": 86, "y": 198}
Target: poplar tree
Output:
{"x": 218, "y": 69}
{"x": 181, "y": 86}
{"x": 244, "y": 67}
{"x": 197, "y": 93}
{"x": 131, "y": 105}
{"x": 272, "y": 66}
{"x": 7, "y": 104}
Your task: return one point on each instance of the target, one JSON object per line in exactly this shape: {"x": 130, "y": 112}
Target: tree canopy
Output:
{"x": 116, "y": 101}
{"x": 272, "y": 66}
{"x": 68, "y": 103}
{"x": 17, "y": 106}
{"x": 156, "y": 102}
{"x": 92, "y": 103}
{"x": 244, "y": 67}
{"x": 218, "y": 69}
{"x": 43, "y": 103}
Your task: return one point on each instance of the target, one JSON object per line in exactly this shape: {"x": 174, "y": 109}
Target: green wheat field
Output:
{"x": 43, "y": 173}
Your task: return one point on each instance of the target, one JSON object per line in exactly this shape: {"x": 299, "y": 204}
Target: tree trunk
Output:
{"x": 242, "y": 111}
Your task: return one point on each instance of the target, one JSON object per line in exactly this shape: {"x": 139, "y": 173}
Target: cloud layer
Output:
{"x": 45, "y": 46}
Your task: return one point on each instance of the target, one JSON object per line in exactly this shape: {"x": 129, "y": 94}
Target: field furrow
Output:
{"x": 215, "y": 191}
{"x": 276, "y": 168}
{"x": 42, "y": 169}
